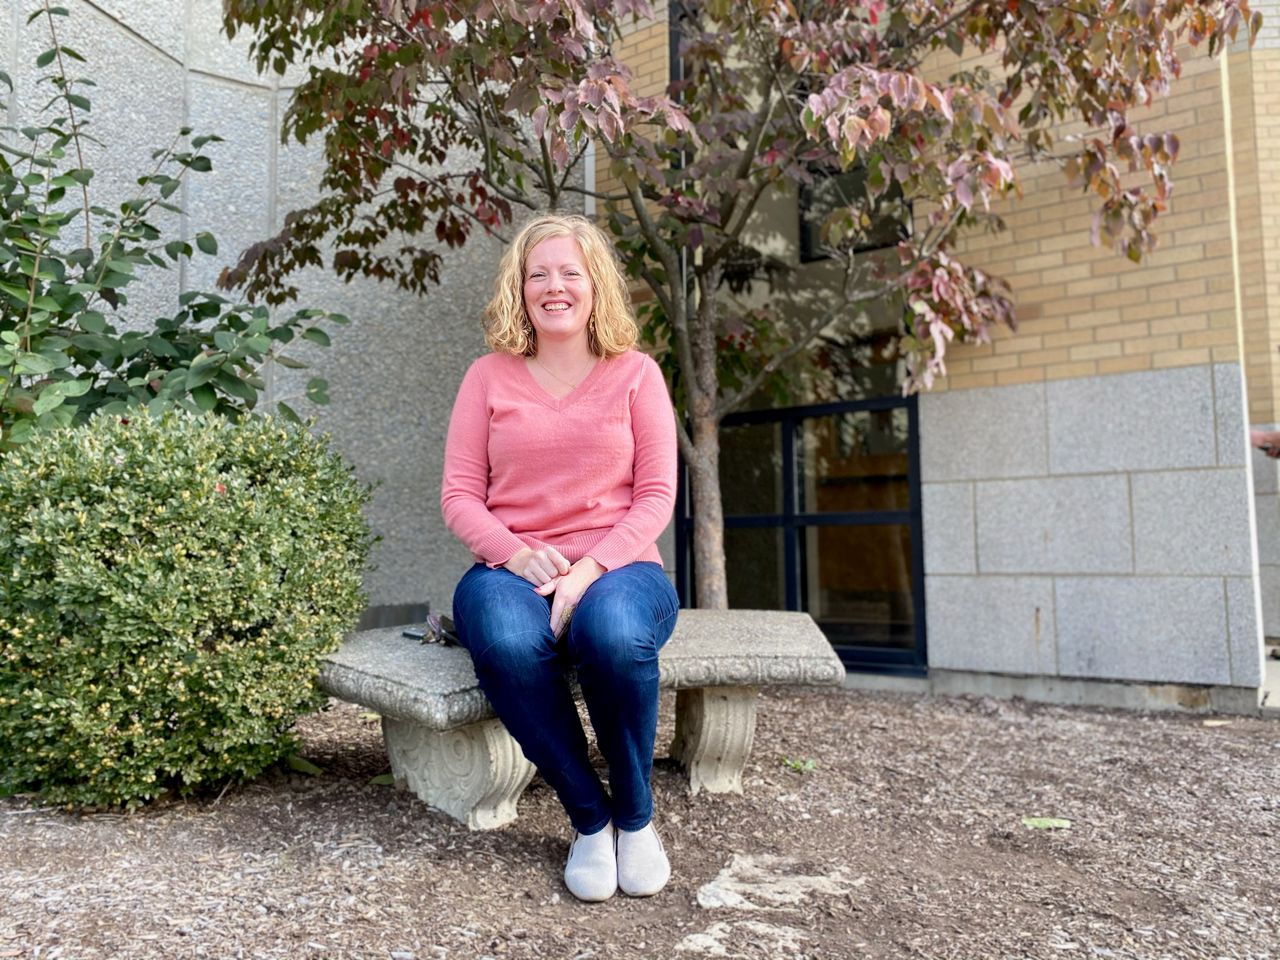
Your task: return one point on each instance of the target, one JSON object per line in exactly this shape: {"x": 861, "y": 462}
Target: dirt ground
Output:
{"x": 873, "y": 825}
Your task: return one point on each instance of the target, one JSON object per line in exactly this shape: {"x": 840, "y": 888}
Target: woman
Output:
{"x": 559, "y": 474}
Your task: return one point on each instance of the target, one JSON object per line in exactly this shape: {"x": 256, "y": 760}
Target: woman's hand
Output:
{"x": 1268, "y": 441}
{"x": 569, "y": 589}
{"x": 539, "y": 567}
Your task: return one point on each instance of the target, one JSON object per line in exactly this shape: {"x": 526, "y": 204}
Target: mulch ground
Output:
{"x": 872, "y": 825}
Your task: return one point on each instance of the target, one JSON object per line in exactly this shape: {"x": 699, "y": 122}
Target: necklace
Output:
{"x": 568, "y": 383}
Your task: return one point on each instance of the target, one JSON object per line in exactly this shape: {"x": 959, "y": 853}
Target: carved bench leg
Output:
{"x": 475, "y": 773}
{"x": 714, "y": 730}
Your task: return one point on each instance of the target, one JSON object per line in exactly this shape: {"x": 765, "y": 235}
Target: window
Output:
{"x": 822, "y": 514}
{"x": 890, "y": 215}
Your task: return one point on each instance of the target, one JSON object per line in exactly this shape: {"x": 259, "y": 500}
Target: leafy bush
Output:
{"x": 168, "y": 586}
{"x": 66, "y": 264}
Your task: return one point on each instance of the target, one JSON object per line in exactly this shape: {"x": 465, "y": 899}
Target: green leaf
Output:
{"x": 91, "y": 321}
{"x": 318, "y": 390}
{"x": 46, "y": 402}
{"x": 236, "y": 386}
{"x": 201, "y": 164}
{"x": 383, "y": 780}
{"x": 316, "y": 335}
{"x": 33, "y": 363}
{"x": 303, "y": 765}
{"x": 73, "y": 388}
{"x": 1046, "y": 823}
{"x": 205, "y": 397}
{"x": 199, "y": 373}
{"x": 206, "y": 242}
{"x": 290, "y": 363}
{"x": 47, "y": 57}
{"x": 288, "y": 412}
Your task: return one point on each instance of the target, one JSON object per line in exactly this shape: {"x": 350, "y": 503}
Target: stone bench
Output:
{"x": 448, "y": 748}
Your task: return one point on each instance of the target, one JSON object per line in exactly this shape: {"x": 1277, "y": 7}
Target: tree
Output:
{"x": 938, "y": 102}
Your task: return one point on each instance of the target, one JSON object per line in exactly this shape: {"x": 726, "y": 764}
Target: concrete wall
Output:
{"x": 161, "y": 65}
{"x": 1096, "y": 528}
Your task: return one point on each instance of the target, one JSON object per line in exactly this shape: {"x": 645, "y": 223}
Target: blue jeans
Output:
{"x": 619, "y": 626}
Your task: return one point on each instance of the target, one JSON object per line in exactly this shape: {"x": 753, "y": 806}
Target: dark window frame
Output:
{"x": 910, "y": 662}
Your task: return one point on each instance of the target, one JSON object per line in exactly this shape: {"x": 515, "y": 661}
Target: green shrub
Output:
{"x": 168, "y": 586}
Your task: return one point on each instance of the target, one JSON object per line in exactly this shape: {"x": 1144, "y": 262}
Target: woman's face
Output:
{"x": 557, "y": 290}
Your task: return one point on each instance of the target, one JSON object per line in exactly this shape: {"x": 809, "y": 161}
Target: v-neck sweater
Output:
{"x": 592, "y": 473}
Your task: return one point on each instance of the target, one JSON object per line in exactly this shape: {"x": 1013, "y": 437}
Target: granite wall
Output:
{"x": 1100, "y": 527}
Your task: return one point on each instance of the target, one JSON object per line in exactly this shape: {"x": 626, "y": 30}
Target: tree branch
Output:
{"x": 667, "y": 255}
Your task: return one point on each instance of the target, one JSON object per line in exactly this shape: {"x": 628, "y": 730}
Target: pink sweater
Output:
{"x": 591, "y": 473}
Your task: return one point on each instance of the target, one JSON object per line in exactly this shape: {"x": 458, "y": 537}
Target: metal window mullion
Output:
{"x": 790, "y": 502}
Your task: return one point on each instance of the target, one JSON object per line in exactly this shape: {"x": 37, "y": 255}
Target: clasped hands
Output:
{"x": 550, "y": 572}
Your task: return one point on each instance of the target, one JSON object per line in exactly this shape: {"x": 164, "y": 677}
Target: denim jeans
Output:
{"x": 620, "y": 624}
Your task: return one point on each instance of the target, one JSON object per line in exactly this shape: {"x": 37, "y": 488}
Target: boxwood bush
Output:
{"x": 168, "y": 586}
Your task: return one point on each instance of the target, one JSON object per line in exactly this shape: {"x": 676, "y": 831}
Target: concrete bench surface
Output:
{"x": 446, "y": 745}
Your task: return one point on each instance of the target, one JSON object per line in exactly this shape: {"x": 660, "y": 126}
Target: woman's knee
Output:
{"x": 613, "y": 634}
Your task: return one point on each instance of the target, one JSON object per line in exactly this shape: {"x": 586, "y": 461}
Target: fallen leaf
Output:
{"x": 1046, "y": 823}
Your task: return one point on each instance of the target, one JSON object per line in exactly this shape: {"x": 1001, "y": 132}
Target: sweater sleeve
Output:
{"x": 653, "y": 491}
{"x": 465, "y": 487}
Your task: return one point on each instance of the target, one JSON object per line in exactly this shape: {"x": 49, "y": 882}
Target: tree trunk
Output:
{"x": 710, "y": 583}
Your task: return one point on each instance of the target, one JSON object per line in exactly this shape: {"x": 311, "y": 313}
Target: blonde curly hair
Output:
{"x": 612, "y": 327}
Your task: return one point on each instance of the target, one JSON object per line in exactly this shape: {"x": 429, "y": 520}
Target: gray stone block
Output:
{"x": 983, "y": 434}
{"x": 1267, "y": 514}
{"x": 393, "y": 375}
{"x": 232, "y": 201}
{"x": 1245, "y": 630}
{"x": 1229, "y": 417}
{"x": 209, "y": 50}
{"x": 1054, "y": 525}
{"x": 1269, "y": 589}
{"x": 1156, "y": 629}
{"x": 1154, "y": 420}
{"x": 997, "y": 624}
{"x": 947, "y": 518}
{"x": 1192, "y": 522}
{"x": 159, "y": 22}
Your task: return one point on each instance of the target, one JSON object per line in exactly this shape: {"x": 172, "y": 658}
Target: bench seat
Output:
{"x": 446, "y": 745}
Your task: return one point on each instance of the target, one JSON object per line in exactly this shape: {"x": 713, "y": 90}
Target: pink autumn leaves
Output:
{"x": 858, "y": 111}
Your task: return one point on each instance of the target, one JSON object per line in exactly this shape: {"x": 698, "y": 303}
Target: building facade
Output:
{"x": 1074, "y": 514}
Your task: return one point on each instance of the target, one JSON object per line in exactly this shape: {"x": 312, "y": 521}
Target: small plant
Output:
{"x": 68, "y": 346}
{"x": 800, "y": 766}
{"x": 168, "y": 586}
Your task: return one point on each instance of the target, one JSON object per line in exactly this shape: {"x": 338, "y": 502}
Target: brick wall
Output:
{"x": 1084, "y": 310}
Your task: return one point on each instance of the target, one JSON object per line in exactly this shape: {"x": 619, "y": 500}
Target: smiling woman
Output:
{"x": 559, "y": 475}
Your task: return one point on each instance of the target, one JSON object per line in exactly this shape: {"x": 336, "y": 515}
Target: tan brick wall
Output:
{"x": 645, "y": 52}
{"x": 1085, "y": 310}
{"x": 1260, "y": 254}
